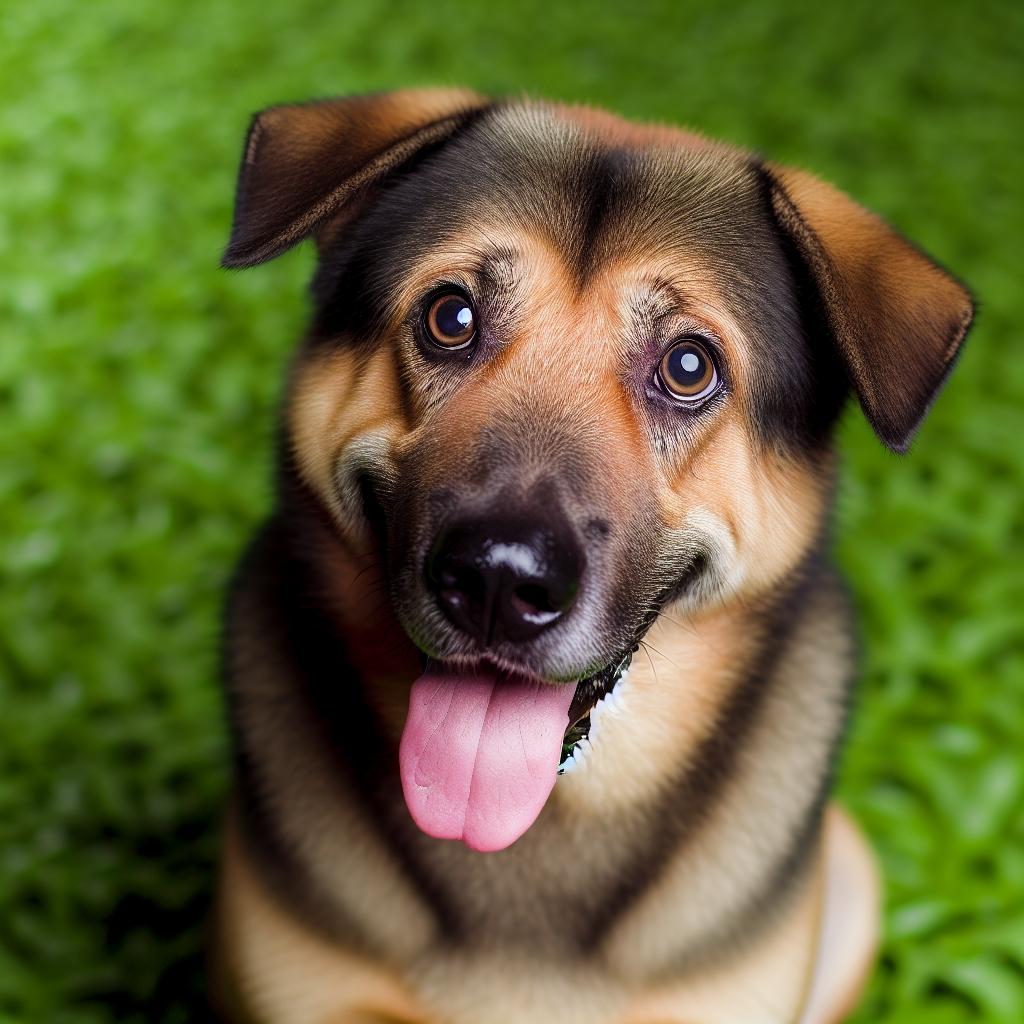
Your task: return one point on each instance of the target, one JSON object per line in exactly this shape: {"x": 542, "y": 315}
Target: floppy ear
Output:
{"x": 896, "y": 317}
{"x": 303, "y": 162}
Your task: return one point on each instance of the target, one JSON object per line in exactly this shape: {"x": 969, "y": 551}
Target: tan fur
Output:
{"x": 686, "y": 872}
{"x": 765, "y": 508}
{"x": 286, "y": 974}
{"x": 660, "y": 730}
{"x": 762, "y": 804}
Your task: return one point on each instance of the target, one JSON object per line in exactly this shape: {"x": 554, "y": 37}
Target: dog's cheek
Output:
{"x": 748, "y": 512}
{"x": 790, "y": 496}
{"x": 701, "y": 495}
{"x": 405, "y": 543}
{"x": 345, "y": 419}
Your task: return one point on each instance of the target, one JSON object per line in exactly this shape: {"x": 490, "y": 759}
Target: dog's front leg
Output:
{"x": 268, "y": 968}
{"x": 811, "y": 967}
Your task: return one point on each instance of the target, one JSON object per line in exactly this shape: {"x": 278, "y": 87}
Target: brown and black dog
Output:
{"x": 547, "y": 573}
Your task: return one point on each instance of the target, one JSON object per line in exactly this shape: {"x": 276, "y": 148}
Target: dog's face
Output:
{"x": 564, "y": 370}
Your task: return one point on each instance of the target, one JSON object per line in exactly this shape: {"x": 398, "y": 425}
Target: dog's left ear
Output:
{"x": 897, "y": 318}
{"x": 303, "y": 163}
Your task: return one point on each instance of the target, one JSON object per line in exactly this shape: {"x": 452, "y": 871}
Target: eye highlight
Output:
{"x": 687, "y": 371}
{"x": 450, "y": 321}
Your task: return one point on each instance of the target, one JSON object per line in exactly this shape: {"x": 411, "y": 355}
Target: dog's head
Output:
{"x": 562, "y": 371}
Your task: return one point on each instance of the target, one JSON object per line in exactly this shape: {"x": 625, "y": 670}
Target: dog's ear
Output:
{"x": 897, "y": 318}
{"x": 302, "y": 163}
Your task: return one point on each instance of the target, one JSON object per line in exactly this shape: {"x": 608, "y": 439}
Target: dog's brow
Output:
{"x": 496, "y": 267}
{"x": 665, "y": 296}
{"x": 658, "y": 299}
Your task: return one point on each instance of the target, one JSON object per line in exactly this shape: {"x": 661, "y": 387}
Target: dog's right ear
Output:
{"x": 302, "y": 163}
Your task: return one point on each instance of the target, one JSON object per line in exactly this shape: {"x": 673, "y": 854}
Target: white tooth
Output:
{"x": 610, "y": 703}
{"x": 576, "y": 758}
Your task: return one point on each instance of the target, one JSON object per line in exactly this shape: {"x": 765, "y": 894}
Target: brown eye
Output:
{"x": 450, "y": 321}
{"x": 687, "y": 371}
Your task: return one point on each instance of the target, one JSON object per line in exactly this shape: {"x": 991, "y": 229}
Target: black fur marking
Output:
{"x": 595, "y": 194}
{"x": 257, "y": 820}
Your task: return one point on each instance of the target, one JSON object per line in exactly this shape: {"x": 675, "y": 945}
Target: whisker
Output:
{"x": 643, "y": 644}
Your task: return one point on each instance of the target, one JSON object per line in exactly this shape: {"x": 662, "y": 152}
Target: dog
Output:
{"x": 538, "y": 671}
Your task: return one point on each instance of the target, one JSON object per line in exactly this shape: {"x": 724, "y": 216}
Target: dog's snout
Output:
{"x": 505, "y": 579}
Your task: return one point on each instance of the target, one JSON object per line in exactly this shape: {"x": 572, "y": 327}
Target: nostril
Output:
{"x": 532, "y": 605}
{"x": 533, "y": 597}
{"x": 462, "y": 595}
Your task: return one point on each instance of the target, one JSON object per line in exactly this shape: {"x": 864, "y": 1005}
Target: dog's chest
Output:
{"x": 556, "y": 893}
{"x": 516, "y": 988}
{"x": 526, "y": 927}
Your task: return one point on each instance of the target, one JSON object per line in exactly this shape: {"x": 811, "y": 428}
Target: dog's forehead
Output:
{"x": 599, "y": 188}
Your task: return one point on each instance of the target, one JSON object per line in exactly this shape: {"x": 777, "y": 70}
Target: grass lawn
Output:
{"x": 138, "y": 385}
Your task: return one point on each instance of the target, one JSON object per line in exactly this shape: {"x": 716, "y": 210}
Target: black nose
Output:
{"x": 505, "y": 578}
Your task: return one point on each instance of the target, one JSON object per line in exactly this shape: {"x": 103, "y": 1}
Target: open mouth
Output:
{"x": 482, "y": 747}
{"x": 594, "y": 695}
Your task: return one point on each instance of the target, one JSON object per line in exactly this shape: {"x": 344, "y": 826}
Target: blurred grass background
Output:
{"x": 138, "y": 385}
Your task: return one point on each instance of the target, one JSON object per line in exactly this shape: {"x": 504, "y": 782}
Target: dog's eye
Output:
{"x": 450, "y": 321}
{"x": 687, "y": 371}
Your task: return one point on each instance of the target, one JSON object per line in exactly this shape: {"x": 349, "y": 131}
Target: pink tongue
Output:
{"x": 479, "y": 756}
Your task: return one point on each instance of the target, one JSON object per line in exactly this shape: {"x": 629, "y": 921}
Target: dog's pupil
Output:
{"x": 689, "y": 362}
{"x": 454, "y": 318}
{"x": 686, "y": 366}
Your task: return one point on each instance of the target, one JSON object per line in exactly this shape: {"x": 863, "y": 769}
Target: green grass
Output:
{"x": 138, "y": 385}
